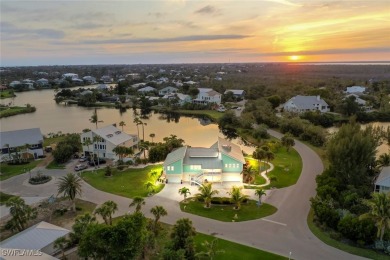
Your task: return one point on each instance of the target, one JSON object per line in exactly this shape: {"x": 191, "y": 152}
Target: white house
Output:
{"x": 355, "y": 90}
{"x": 11, "y": 140}
{"x": 14, "y": 83}
{"x": 38, "y": 237}
{"x": 167, "y": 91}
{"x": 182, "y": 98}
{"x": 208, "y": 95}
{"x": 382, "y": 183}
{"x": 110, "y": 137}
{"x": 89, "y": 79}
{"x": 106, "y": 79}
{"x": 42, "y": 82}
{"x": 102, "y": 87}
{"x": 300, "y": 104}
{"x": 70, "y": 75}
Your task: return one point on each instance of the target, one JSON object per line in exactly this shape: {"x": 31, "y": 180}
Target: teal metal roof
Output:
{"x": 175, "y": 155}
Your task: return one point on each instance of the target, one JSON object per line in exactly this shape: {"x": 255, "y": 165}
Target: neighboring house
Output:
{"x": 382, "y": 183}
{"x": 42, "y": 82}
{"x": 110, "y": 137}
{"x": 146, "y": 89}
{"x": 300, "y": 104}
{"x": 236, "y": 92}
{"x": 19, "y": 138}
{"x": 14, "y": 83}
{"x": 138, "y": 85}
{"x": 102, "y": 87}
{"x": 355, "y": 90}
{"x": 89, "y": 79}
{"x": 38, "y": 237}
{"x": 208, "y": 95}
{"x": 223, "y": 161}
{"x": 106, "y": 79}
{"x": 361, "y": 102}
{"x": 167, "y": 90}
{"x": 182, "y": 98}
{"x": 70, "y": 76}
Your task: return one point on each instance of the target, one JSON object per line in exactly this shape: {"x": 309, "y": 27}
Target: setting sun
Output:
{"x": 294, "y": 58}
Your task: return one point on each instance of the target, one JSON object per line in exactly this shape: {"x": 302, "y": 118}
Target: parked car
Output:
{"x": 83, "y": 159}
{"x": 48, "y": 149}
{"x": 80, "y": 167}
{"x": 101, "y": 161}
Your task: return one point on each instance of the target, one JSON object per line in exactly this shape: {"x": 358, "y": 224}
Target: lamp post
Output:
{"x": 289, "y": 256}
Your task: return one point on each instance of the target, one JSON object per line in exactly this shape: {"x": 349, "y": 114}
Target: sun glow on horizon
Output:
{"x": 294, "y": 57}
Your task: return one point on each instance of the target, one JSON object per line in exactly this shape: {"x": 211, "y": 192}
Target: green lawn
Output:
{"x": 255, "y": 165}
{"x": 54, "y": 165}
{"x": 11, "y": 111}
{"x": 128, "y": 183}
{"x": 233, "y": 251}
{"x": 68, "y": 218}
{"x": 4, "y": 197}
{"x": 212, "y": 114}
{"x": 226, "y": 213}
{"x": 325, "y": 237}
{"x": 7, "y": 94}
{"x": 8, "y": 171}
{"x": 288, "y": 168}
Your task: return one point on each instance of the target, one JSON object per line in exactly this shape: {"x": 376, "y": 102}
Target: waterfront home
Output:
{"x": 222, "y": 162}
{"x": 89, "y": 80}
{"x": 109, "y": 138}
{"x": 182, "y": 98}
{"x": 299, "y": 104}
{"x": 38, "y": 237}
{"x": 382, "y": 183}
{"x": 208, "y": 95}
{"x": 239, "y": 93}
{"x": 42, "y": 82}
{"x": 14, "y": 83}
{"x": 167, "y": 91}
{"x": 28, "y": 141}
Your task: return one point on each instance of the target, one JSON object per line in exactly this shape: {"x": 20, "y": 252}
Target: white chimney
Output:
{"x": 318, "y": 98}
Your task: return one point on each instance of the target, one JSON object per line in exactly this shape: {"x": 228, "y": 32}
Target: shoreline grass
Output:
{"x": 13, "y": 111}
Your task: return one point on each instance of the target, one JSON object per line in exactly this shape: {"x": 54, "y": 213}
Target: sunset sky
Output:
{"x": 55, "y": 32}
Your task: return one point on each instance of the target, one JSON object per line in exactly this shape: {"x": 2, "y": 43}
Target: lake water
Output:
{"x": 52, "y": 118}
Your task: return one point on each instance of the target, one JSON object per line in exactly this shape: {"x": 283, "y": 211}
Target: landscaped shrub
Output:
{"x": 39, "y": 179}
{"x": 354, "y": 229}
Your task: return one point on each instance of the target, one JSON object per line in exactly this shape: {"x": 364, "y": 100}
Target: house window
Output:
{"x": 170, "y": 168}
{"x": 33, "y": 146}
{"x": 226, "y": 165}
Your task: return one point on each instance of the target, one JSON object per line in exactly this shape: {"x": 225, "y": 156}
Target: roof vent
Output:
{"x": 118, "y": 132}
{"x": 227, "y": 147}
{"x": 109, "y": 135}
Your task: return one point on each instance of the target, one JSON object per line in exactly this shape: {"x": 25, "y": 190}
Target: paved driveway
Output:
{"x": 284, "y": 232}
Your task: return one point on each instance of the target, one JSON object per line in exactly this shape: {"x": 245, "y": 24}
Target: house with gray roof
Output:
{"x": 236, "y": 92}
{"x": 300, "y": 104}
{"x": 146, "y": 89}
{"x": 38, "y": 237}
{"x": 222, "y": 162}
{"x": 110, "y": 137}
{"x": 208, "y": 95}
{"x": 167, "y": 91}
{"x": 13, "y": 141}
{"x": 382, "y": 183}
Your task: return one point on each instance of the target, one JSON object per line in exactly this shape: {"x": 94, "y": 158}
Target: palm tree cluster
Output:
{"x": 206, "y": 193}
{"x": 106, "y": 210}
{"x": 237, "y": 197}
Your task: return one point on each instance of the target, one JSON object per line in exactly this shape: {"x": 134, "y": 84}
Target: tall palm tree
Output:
{"x": 106, "y": 210}
{"x": 260, "y": 193}
{"x": 137, "y": 202}
{"x": 96, "y": 139}
{"x": 259, "y": 154}
{"x": 206, "y": 193}
{"x": 236, "y": 196}
{"x": 152, "y": 135}
{"x": 94, "y": 118}
{"x": 158, "y": 212}
{"x": 21, "y": 213}
{"x": 70, "y": 186}
{"x": 379, "y": 206}
{"x": 250, "y": 173}
{"x": 136, "y": 122}
{"x": 88, "y": 143}
{"x": 122, "y": 124}
{"x": 184, "y": 191}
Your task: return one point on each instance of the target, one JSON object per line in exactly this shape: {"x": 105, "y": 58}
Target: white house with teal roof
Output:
{"x": 222, "y": 162}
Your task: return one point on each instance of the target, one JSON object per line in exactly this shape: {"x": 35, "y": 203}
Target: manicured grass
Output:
{"x": 325, "y": 237}
{"x": 68, "y": 218}
{"x": 233, "y": 251}
{"x": 54, "y": 165}
{"x": 4, "y": 197}
{"x": 8, "y": 171}
{"x": 255, "y": 165}
{"x": 12, "y": 111}
{"x": 226, "y": 213}
{"x": 128, "y": 183}
{"x": 7, "y": 94}
{"x": 212, "y": 114}
{"x": 53, "y": 140}
{"x": 288, "y": 167}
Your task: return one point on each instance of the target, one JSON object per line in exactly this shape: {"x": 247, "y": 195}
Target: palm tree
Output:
{"x": 122, "y": 124}
{"x": 137, "y": 202}
{"x": 250, "y": 173}
{"x": 80, "y": 226}
{"x": 379, "y": 206}
{"x": 152, "y": 135}
{"x": 96, "y": 139}
{"x": 61, "y": 243}
{"x": 260, "y": 193}
{"x": 384, "y": 160}
{"x": 259, "y": 154}
{"x": 70, "y": 186}
{"x": 210, "y": 249}
{"x": 106, "y": 210}
{"x": 150, "y": 187}
{"x": 158, "y": 212}
{"x": 206, "y": 192}
{"x": 94, "y": 118}
{"x": 184, "y": 191}
{"x": 87, "y": 143}
{"x": 122, "y": 151}
{"x": 237, "y": 196}
{"x": 20, "y": 212}
{"x": 136, "y": 122}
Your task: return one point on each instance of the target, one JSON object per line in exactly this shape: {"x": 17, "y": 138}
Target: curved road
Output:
{"x": 284, "y": 232}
